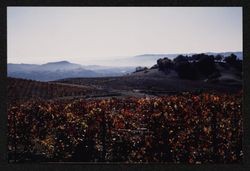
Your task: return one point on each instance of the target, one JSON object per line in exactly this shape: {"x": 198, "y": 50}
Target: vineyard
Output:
{"x": 19, "y": 89}
{"x": 183, "y": 128}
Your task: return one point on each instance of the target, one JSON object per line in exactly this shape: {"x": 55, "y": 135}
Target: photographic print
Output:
{"x": 125, "y": 85}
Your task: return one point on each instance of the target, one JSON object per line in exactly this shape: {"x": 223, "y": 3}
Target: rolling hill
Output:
{"x": 63, "y": 69}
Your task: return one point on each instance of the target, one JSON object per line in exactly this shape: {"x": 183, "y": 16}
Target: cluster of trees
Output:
{"x": 198, "y": 65}
{"x": 139, "y": 68}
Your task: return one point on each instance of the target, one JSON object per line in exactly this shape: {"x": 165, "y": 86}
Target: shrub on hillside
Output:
{"x": 231, "y": 59}
{"x": 165, "y": 64}
{"x": 218, "y": 58}
{"x": 234, "y": 62}
{"x": 206, "y": 65}
{"x": 186, "y": 70}
{"x": 139, "y": 68}
{"x": 180, "y": 58}
{"x": 155, "y": 66}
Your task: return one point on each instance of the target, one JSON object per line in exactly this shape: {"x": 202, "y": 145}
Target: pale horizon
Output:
{"x": 113, "y": 59}
{"x": 83, "y": 35}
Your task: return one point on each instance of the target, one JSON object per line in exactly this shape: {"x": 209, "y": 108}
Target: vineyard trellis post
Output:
{"x": 103, "y": 137}
{"x": 15, "y": 139}
{"x": 235, "y": 134}
{"x": 214, "y": 136}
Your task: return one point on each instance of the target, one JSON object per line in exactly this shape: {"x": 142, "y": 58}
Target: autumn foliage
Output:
{"x": 183, "y": 128}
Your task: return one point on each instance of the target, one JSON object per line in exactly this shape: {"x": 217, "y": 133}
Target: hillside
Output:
{"x": 196, "y": 73}
{"x": 199, "y": 72}
{"x": 197, "y": 67}
{"x": 227, "y": 76}
{"x": 21, "y": 89}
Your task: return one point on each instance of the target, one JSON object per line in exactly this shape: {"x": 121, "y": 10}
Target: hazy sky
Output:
{"x": 81, "y": 34}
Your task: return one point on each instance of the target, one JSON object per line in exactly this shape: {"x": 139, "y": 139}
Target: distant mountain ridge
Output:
{"x": 237, "y": 53}
{"x": 148, "y": 60}
{"x": 61, "y": 65}
{"x": 62, "y": 69}
{"x": 171, "y": 56}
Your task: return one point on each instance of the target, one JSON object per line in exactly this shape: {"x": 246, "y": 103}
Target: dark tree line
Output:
{"x": 198, "y": 65}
